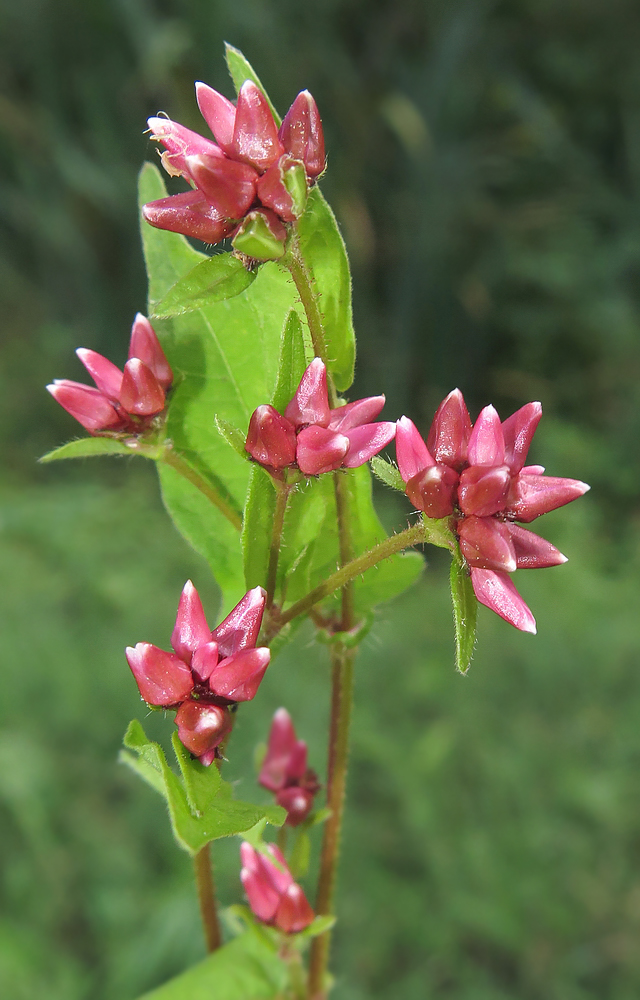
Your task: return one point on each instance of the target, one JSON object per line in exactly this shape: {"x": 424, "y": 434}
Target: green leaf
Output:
{"x": 325, "y": 255}
{"x": 257, "y": 526}
{"x": 465, "y": 607}
{"x": 240, "y": 69}
{"x": 87, "y": 448}
{"x": 201, "y": 808}
{"x": 225, "y": 357}
{"x": 291, "y": 364}
{"x": 245, "y": 969}
{"x": 219, "y": 277}
{"x": 319, "y": 926}
{"x": 388, "y": 472}
{"x": 233, "y": 436}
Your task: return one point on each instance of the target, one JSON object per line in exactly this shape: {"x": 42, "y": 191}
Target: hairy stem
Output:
{"x": 295, "y": 264}
{"x": 206, "y": 487}
{"x": 282, "y": 498}
{"x": 207, "y": 898}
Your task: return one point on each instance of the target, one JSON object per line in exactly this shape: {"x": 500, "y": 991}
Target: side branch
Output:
{"x": 207, "y": 488}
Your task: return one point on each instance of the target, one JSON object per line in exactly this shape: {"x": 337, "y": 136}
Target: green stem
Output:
{"x": 389, "y": 547}
{"x": 207, "y": 488}
{"x": 207, "y": 898}
{"x": 283, "y": 492}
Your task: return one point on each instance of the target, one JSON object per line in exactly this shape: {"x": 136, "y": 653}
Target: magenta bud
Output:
{"x": 432, "y": 490}
{"x": 483, "y": 490}
{"x": 255, "y": 136}
{"x": 320, "y": 450}
{"x": 310, "y": 405}
{"x": 240, "y": 628}
{"x": 87, "y": 405}
{"x": 286, "y": 756}
{"x": 366, "y": 441}
{"x": 162, "y": 678}
{"x": 228, "y": 185}
{"x": 179, "y": 142}
{"x": 271, "y": 439}
{"x": 191, "y": 629}
{"x": 450, "y": 431}
{"x": 140, "y": 392}
{"x": 533, "y": 552}
{"x": 532, "y": 495}
{"x": 487, "y": 544}
{"x": 104, "y": 373}
{"x": 301, "y": 133}
{"x": 497, "y": 592}
{"x": 273, "y": 896}
{"x": 218, "y": 112}
{"x": 204, "y": 661}
{"x": 486, "y": 444}
{"x": 274, "y": 193}
{"x": 518, "y": 431}
{"x": 188, "y": 213}
{"x": 294, "y": 911}
{"x": 297, "y": 801}
{"x": 345, "y": 418}
{"x": 144, "y": 344}
{"x": 202, "y": 726}
{"x": 238, "y": 677}
{"x": 411, "y": 451}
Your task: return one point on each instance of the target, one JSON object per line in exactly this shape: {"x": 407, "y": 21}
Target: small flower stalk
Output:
{"x": 275, "y": 899}
{"x": 122, "y": 402}
{"x": 476, "y": 474}
{"x": 285, "y": 772}
{"x": 208, "y": 672}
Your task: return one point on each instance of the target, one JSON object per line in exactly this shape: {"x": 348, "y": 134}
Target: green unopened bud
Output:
{"x": 295, "y": 181}
{"x": 261, "y": 236}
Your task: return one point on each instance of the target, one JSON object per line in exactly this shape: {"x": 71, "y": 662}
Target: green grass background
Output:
{"x": 484, "y": 162}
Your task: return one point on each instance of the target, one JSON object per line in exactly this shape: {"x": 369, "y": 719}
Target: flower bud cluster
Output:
{"x": 207, "y": 673}
{"x": 284, "y": 770}
{"x": 314, "y": 437}
{"x": 477, "y": 475}
{"x": 250, "y": 181}
{"x": 122, "y": 402}
{"x": 274, "y": 897}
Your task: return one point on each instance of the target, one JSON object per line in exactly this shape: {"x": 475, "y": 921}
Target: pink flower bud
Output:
{"x": 533, "y": 552}
{"x": 282, "y": 741}
{"x": 145, "y": 345}
{"x": 310, "y": 405}
{"x": 486, "y": 444}
{"x": 450, "y": 431}
{"x": 255, "y": 136}
{"x": 366, "y": 441}
{"x": 497, "y": 592}
{"x": 162, "y": 678}
{"x": 238, "y": 677}
{"x": 218, "y": 112}
{"x": 518, "y": 431}
{"x": 301, "y": 133}
{"x": 532, "y": 495}
{"x": 411, "y": 451}
{"x": 191, "y": 629}
{"x": 202, "y": 726}
{"x": 483, "y": 490}
{"x": 273, "y": 896}
{"x": 487, "y": 544}
{"x": 345, "y": 418}
{"x": 180, "y": 142}
{"x": 294, "y": 912}
{"x": 433, "y": 489}
{"x": 297, "y": 801}
{"x": 104, "y": 373}
{"x": 240, "y": 628}
{"x": 320, "y": 450}
{"x": 204, "y": 661}
{"x": 141, "y": 393}
{"x": 271, "y": 439}
{"x": 88, "y": 405}
{"x": 273, "y": 192}
{"x": 189, "y": 213}
{"x": 228, "y": 185}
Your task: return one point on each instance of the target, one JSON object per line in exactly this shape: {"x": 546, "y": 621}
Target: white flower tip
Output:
{"x": 584, "y": 487}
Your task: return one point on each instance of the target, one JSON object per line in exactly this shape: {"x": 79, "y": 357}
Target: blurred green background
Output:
{"x": 484, "y": 163}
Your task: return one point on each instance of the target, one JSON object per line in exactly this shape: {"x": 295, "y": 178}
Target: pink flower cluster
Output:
{"x": 284, "y": 770}
{"x": 208, "y": 671}
{"x": 273, "y": 896}
{"x": 122, "y": 402}
{"x": 478, "y": 475}
{"x": 253, "y": 171}
{"x": 313, "y": 436}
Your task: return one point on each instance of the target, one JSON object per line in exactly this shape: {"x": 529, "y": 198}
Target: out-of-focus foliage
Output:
{"x": 484, "y": 164}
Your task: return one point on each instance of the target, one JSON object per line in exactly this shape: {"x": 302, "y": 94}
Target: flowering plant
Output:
{"x": 235, "y": 392}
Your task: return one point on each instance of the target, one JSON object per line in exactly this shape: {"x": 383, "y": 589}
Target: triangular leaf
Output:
{"x": 240, "y": 69}
{"x": 465, "y": 608}
{"x": 291, "y": 364}
{"x": 257, "y": 526}
{"x": 88, "y": 448}
{"x": 388, "y": 473}
{"x": 219, "y": 277}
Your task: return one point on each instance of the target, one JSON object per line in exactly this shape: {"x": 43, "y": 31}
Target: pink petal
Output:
{"x": 450, "y": 431}
{"x": 145, "y": 345}
{"x": 294, "y": 912}
{"x": 271, "y": 439}
{"x": 297, "y": 801}
{"x": 140, "y": 392}
{"x": 104, "y": 373}
{"x": 218, "y": 112}
{"x": 483, "y": 489}
{"x": 273, "y": 192}
{"x": 88, "y": 405}
{"x": 282, "y": 739}
{"x": 533, "y": 552}
{"x": 191, "y": 629}
{"x": 487, "y": 544}
{"x": 262, "y": 896}
{"x": 518, "y": 431}
{"x": 202, "y": 726}
{"x": 238, "y": 677}
{"x": 432, "y": 490}
{"x": 497, "y": 592}
{"x": 255, "y": 136}
{"x": 320, "y": 450}
{"x": 229, "y": 186}
{"x": 486, "y": 444}
{"x": 310, "y": 405}
{"x": 274, "y": 864}
{"x": 188, "y": 213}
{"x": 162, "y": 678}
{"x": 179, "y": 142}
{"x": 533, "y": 470}
{"x": 240, "y": 628}
{"x": 362, "y": 411}
{"x": 366, "y": 441}
{"x": 205, "y": 660}
{"x": 301, "y": 133}
{"x": 411, "y": 451}
{"x": 532, "y": 495}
